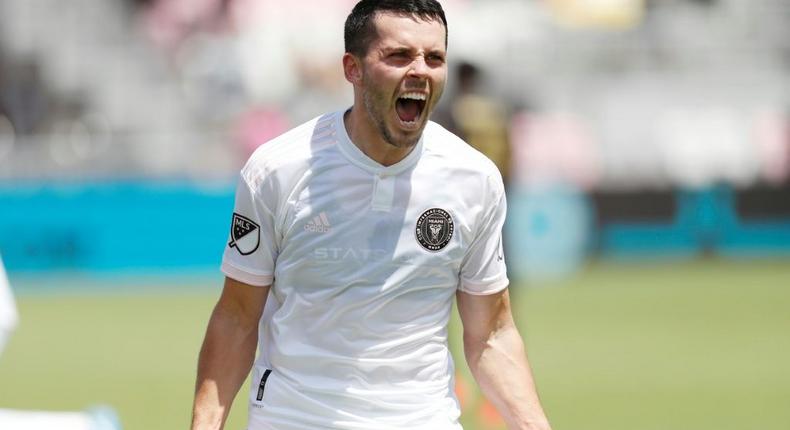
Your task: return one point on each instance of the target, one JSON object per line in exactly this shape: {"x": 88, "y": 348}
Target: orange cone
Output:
{"x": 462, "y": 390}
{"x": 489, "y": 417}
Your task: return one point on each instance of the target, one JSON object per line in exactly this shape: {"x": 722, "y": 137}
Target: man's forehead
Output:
{"x": 383, "y": 20}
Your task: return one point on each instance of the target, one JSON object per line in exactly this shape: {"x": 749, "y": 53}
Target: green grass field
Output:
{"x": 697, "y": 346}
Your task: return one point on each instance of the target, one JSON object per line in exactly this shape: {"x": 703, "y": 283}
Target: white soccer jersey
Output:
{"x": 364, "y": 262}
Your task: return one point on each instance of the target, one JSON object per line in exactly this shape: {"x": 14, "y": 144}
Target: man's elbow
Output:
{"x": 474, "y": 346}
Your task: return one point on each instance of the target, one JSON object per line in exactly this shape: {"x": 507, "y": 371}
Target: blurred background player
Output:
{"x": 483, "y": 121}
{"x": 100, "y": 418}
{"x": 8, "y": 314}
{"x": 478, "y": 118}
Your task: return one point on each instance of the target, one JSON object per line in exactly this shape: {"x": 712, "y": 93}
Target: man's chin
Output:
{"x": 405, "y": 138}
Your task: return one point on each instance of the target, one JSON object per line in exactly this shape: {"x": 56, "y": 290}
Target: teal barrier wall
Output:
{"x": 154, "y": 225}
{"x": 705, "y": 222}
{"x": 113, "y": 225}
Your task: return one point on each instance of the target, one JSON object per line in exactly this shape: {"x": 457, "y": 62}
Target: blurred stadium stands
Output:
{"x": 655, "y": 127}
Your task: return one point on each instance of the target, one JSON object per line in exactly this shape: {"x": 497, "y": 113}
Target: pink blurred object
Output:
{"x": 258, "y": 126}
{"x": 553, "y": 148}
{"x": 772, "y": 140}
{"x": 169, "y": 22}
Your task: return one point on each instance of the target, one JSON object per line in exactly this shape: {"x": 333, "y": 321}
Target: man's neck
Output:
{"x": 368, "y": 139}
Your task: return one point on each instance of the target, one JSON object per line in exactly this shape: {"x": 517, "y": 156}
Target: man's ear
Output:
{"x": 352, "y": 68}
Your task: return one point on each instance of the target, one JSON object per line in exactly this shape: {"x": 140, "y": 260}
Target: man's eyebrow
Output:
{"x": 401, "y": 49}
{"x": 396, "y": 48}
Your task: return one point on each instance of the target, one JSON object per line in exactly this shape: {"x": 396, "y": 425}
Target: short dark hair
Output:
{"x": 359, "y": 31}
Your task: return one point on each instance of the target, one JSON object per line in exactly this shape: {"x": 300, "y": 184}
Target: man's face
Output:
{"x": 403, "y": 76}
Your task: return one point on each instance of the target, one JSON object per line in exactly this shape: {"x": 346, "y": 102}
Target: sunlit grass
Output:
{"x": 697, "y": 346}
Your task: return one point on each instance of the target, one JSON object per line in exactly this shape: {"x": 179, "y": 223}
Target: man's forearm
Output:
{"x": 225, "y": 360}
{"x": 500, "y": 366}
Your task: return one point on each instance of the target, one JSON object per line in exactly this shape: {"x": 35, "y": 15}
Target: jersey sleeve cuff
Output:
{"x": 484, "y": 289}
{"x": 241, "y": 275}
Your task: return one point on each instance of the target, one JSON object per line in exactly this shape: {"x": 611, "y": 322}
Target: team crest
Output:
{"x": 244, "y": 234}
{"x": 434, "y": 229}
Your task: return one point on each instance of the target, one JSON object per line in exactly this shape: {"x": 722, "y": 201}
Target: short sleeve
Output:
{"x": 251, "y": 249}
{"x": 483, "y": 270}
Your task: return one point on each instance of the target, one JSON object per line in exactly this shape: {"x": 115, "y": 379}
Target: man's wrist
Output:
{"x": 207, "y": 421}
{"x": 536, "y": 425}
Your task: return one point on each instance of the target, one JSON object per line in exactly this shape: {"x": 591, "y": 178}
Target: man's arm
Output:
{"x": 227, "y": 353}
{"x": 497, "y": 358}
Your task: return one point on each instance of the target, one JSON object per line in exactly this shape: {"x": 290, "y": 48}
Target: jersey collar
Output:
{"x": 358, "y": 158}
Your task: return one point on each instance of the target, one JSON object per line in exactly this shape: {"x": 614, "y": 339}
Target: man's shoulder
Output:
{"x": 293, "y": 148}
{"x": 455, "y": 151}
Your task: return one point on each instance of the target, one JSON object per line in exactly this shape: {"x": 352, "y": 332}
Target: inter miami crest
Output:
{"x": 244, "y": 234}
{"x": 434, "y": 229}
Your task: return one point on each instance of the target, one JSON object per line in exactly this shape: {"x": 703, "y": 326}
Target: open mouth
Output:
{"x": 410, "y": 107}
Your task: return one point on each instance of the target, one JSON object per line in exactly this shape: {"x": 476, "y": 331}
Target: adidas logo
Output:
{"x": 319, "y": 224}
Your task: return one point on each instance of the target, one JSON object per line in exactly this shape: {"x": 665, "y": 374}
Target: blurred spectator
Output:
{"x": 22, "y": 98}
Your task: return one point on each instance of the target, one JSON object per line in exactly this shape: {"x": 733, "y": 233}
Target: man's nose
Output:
{"x": 419, "y": 68}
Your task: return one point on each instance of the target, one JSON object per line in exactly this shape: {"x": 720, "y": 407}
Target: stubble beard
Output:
{"x": 373, "y": 101}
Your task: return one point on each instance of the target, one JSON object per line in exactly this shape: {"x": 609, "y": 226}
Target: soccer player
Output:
{"x": 351, "y": 236}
